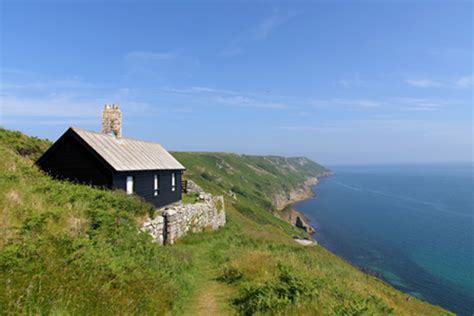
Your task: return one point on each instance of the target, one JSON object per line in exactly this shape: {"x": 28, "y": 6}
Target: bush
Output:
{"x": 231, "y": 275}
{"x": 273, "y": 296}
{"x": 239, "y": 190}
{"x": 207, "y": 176}
{"x": 30, "y": 147}
{"x": 248, "y": 212}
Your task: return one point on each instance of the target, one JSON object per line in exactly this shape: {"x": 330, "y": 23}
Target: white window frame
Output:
{"x": 156, "y": 185}
{"x": 130, "y": 184}
{"x": 173, "y": 181}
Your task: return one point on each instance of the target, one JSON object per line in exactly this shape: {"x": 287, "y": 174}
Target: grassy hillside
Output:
{"x": 73, "y": 249}
{"x": 250, "y": 182}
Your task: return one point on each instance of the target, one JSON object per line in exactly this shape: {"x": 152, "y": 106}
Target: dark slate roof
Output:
{"x": 126, "y": 154}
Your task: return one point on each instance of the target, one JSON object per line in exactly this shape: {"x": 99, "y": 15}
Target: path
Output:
{"x": 213, "y": 299}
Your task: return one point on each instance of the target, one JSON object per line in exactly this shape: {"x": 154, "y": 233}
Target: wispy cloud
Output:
{"x": 465, "y": 82}
{"x": 232, "y": 50}
{"x": 352, "y": 80}
{"x": 377, "y": 127}
{"x": 47, "y": 85}
{"x": 389, "y": 103}
{"x": 423, "y": 104}
{"x": 228, "y": 97}
{"x": 15, "y": 71}
{"x": 271, "y": 22}
{"x": 242, "y": 101}
{"x": 197, "y": 90}
{"x": 149, "y": 55}
{"x": 66, "y": 100}
{"x": 324, "y": 128}
{"x": 356, "y": 103}
{"x": 458, "y": 83}
{"x": 422, "y": 83}
{"x": 61, "y": 106}
{"x": 53, "y": 106}
{"x": 260, "y": 31}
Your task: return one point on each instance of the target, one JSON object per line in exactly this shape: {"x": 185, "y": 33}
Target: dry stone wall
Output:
{"x": 192, "y": 187}
{"x": 177, "y": 220}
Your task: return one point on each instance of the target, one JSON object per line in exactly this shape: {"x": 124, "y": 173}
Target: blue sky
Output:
{"x": 339, "y": 82}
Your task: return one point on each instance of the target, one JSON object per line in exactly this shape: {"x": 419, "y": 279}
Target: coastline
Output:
{"x": 283, "y": 203}
{"x": 372, "y": 264}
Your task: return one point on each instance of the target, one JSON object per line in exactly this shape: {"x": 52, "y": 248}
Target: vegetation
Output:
{"x": 190, "y": 198}
{"x": 73, "y": 249}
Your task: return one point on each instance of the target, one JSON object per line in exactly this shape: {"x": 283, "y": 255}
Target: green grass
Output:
{"x": 190, "y": 198}
{"x": 74, "y": 249}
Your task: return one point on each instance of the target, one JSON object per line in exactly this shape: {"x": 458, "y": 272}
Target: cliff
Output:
{"x": 77, "y": 249}
{"x": 283, "y": 199}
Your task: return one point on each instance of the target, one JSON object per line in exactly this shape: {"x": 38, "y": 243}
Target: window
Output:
{"x": 156, "y": 185}
{"x": 173, "y": 181}
{"x": 129, "y": 185}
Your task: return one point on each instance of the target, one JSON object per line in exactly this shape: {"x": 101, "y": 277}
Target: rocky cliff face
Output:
{"x": 283, "y": 199}
{"x": 299, "y": 220}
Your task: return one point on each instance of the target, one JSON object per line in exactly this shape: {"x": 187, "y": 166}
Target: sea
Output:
{"x": 410, "y": 225}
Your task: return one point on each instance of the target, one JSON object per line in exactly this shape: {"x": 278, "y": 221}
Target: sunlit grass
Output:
{"x": 74, "y": 249}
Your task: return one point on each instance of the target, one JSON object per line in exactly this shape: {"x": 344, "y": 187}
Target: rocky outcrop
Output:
{"x": 300, "y": 221}
{"x": 192, "y": 187}
{"x": 306, "y": 242}
{"x": 326, "y": 174}
{"x": 295, "y": 218}
{"x": 176, "y": 221}
{"x": 283, "y": 199}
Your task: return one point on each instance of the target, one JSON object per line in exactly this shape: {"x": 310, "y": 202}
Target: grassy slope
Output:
{"x": 76, "y": 249}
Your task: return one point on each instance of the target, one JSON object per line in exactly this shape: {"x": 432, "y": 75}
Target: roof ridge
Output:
{"x": 102, "y": 134}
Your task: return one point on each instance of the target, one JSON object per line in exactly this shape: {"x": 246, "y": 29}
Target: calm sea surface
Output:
{"x": 412, "y": 225}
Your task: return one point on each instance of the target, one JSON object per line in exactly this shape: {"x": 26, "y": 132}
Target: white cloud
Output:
{"x": 390, "y": 103}
{"x": 324, "y": 128}
{"x": 231, "y": 51}
{"x": 47, "y": 85}
{"x": 423, "y": 104}
{"x": 197, "y": 90}
{"x": 464, "y": 82}
{"x": 242, "y": 101}
{"x": 376, "y": 126}
{"x": 270, "y": 23}
{"x": 262, "y": 30}
{"x": 423, "y": 83}
{"x": 53, "y": 106}
{"x": 148, "y": 55}
{"x": 229, "y": 97}
{"x": 62, "y": 106}
{"x": 357, "y": 103}
{"x": 460, "y": 83}
{"x": 352, "y": 80}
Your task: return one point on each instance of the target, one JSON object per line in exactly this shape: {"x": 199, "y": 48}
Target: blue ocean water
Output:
{"x": 411, "y": 225}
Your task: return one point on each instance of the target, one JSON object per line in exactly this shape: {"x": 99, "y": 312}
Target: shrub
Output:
{"x": 239, "y": 190}
{"x": 206, "y": 175}
{"x": 273, "y": 296}
{"x": 253, "y": 215}
{"x": 231, "y": 275}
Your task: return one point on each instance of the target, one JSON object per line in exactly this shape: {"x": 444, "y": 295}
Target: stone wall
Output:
{"x": 176, "y": 221}
{"x": 192, "y": 187}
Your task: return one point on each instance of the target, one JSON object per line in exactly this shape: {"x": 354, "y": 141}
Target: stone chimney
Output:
{"x": 112, "y": 120}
